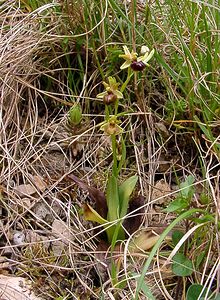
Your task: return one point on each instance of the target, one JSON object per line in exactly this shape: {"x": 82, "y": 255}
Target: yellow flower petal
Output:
{"x": 118, "y": 94}
{"x": 101, "y": 95}
{"x": 126, "y": 51}
{"x": 147, "y": 56}
{"x": 125, "y": 65}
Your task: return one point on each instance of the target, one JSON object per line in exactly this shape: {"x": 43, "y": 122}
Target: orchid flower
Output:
{"x": 137, "y": 63}
{"x": 111, "y": 93}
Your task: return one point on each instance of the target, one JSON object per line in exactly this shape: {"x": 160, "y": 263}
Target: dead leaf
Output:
{"x": 38, "y": 182}
{"x": 43, "y": 212}
{"x": 143, "y": 241}
{"x": 95, "y": 195}
{"x": 61, "y": 231}
{"x": 25, "y": 190}
{"x": 16, "y": 288}
{"x": 161, "y": 128}
{"x": 132, "y": 223}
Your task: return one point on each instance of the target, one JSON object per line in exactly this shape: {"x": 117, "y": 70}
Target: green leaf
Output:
{"x": 204, "y": 219}
{"x": 194, "y": 292}
{"x": 115, "y": 231}
{"x": 199, "y": 259}
{"x": 204, "y": 198}
{"x": 75, "y": 114}
{"x": 178, "y": 204}
{"x": 176, "y": 237}
{"x": 184, "y": 197}
{"x": 125, "y": 191}
{"x": 187, "y": 190}
{"x": 182, "y": 266}
{"x": 112, "y": 197}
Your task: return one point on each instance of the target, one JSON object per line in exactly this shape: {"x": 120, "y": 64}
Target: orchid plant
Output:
{"x": 113, "y": 205}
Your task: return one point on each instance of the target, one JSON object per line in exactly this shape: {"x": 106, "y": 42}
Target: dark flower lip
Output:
{"x": 109, "y": 98}
{"x": 138, "y": 65}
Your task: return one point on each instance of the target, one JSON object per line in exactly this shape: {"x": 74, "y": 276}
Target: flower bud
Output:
{"x": 75, "y": 115}
{"x": 144, "y": 50}
{"x": 109, "y": 98}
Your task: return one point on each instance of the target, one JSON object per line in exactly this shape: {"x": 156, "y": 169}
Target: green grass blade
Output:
{"x": 183, "y": 216}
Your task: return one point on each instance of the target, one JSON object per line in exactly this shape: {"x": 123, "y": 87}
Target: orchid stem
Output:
{"x": 124, "y": 85}
{"x": 115, "y": 162}
{"x": 106, "y": 113}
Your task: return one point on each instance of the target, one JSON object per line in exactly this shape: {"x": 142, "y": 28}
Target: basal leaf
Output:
{"x": 95, "y": 195}
{"x": 91, "y": 215}
{"x": 125, "y": 191}
{"x": 182, "y": 266}
{"x": 112, "y": 197}
{"x": 133, "y": 221}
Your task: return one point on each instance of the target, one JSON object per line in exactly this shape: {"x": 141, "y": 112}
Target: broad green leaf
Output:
{"x": 197, "y": 292}
{"x": 178, "y": 204}
{"x": 112, "y": 199}
{"x": 182, "y": 266}
{"x": 125, "y": 191}
{"x": 116, "y": 231}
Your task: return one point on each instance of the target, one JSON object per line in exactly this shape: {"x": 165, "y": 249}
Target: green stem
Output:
{"x": 124, "y": 85}
{"x": 106, "y": 113}
{"x": 115, "y": 161}
{"x": 116, "y": 107}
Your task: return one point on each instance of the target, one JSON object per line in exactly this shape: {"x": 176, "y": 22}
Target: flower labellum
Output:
{"x": 111, "y": 93}
{"x": 138, "y": 66}
{"x": 109, "y": 98}
{"x": 111, "y": 127}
